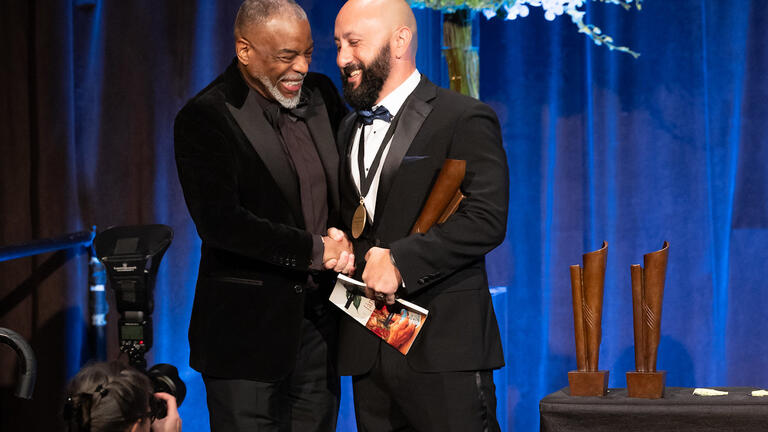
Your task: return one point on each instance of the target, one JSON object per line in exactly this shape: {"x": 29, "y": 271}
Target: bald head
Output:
{"x": 384, "y": 15}
{"x": 376, "y": 42}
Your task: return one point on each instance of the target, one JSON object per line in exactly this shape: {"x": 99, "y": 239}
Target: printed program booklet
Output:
{"x": 398, "y": 324}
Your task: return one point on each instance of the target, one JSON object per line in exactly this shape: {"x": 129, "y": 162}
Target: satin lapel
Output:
{"x": 414, "y": 113}
{"x": 266, "y": 143}
{"x": 348, "y": 190}
{"x": 320, "y": 128}
{"x": 346, "y": 132}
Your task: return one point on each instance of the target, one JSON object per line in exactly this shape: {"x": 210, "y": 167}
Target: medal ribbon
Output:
{"x": 367, "y": 180}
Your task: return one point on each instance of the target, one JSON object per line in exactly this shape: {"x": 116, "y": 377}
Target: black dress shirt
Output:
{"x": 302, "y": 153}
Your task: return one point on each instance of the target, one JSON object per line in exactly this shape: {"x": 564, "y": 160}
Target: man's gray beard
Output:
{"x": 286, "y": 102}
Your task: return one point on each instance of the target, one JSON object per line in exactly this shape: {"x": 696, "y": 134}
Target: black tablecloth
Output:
{"x": 679, "y": 410}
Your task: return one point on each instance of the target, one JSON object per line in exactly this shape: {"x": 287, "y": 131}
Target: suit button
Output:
{"x": 298, "y": 289}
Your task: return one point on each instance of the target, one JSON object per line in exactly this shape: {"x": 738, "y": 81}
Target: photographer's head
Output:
{"x": 112, "y": 397}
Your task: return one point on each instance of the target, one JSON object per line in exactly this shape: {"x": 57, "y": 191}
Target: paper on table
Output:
{"x": 759, "y": 393}
{"x": 708, "y": 392}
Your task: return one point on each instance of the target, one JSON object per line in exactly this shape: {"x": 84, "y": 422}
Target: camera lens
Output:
{"x": 165, "y": 378}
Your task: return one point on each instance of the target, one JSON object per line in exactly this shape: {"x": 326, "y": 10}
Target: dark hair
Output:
{"x": 106, "y": 397}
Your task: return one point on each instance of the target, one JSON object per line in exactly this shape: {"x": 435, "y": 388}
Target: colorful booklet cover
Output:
{"x": 398, "y": 324}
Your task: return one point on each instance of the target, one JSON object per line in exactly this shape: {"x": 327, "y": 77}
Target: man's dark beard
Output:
{"x": 374, "y": 75}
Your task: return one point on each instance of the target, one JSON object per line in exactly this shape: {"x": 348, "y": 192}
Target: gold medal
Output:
{"x": 358, "y": 220}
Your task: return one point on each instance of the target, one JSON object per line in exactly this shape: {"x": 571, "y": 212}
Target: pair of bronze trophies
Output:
{"x": 647, "y": 293}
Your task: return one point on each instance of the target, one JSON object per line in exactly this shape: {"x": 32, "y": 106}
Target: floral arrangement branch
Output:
{"x": 461, "y": 57}
{"x": 511, "y": 9}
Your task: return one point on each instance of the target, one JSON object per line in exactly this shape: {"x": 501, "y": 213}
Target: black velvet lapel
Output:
{"x": 415, "y": 111}
{"x": 320, "y": 128}
{"x": 264, "y": 140}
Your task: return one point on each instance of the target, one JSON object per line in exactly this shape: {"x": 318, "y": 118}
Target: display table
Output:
{"x": 678, "y": 411}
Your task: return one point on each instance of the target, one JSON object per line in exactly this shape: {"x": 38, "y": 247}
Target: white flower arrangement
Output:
{"x": 512, "y": 9}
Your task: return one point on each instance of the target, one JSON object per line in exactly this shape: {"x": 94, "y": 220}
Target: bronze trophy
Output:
{"x": 647, "y": 295}
{"x": 587, "y": 286}
{"x": 445, "y": 196}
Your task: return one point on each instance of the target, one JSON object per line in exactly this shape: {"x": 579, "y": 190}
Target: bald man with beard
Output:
{"x": 391, "y": 151}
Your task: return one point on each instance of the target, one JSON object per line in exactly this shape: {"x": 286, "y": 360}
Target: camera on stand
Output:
{"x": 131, "y": 256}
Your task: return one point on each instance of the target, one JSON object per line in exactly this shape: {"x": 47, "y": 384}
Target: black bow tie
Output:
{"x": 380, "y": 113}
{"x": 273, "y": 110}
{"x": 301, "y": 110}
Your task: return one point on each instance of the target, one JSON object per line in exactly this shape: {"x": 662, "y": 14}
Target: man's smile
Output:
{"x": 353, "y": 74}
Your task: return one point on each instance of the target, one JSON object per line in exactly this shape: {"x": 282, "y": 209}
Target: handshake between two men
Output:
{"x": 380, "y": 276}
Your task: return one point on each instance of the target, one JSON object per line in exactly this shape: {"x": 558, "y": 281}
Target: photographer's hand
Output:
{"x": 172, "y": 421}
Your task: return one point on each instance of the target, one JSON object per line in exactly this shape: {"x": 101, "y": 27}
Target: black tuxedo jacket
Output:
{"x": 444, "y": 269}
{"x": 243, "y": 195}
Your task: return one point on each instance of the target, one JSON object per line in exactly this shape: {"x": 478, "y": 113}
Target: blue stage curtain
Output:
{"x": 601, "y": 146}
{"x": 671, "y": 146}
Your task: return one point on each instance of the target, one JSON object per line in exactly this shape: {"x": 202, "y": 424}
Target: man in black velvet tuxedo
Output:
{"x": 445, "y": 382}
{"x": 257, "y": 161}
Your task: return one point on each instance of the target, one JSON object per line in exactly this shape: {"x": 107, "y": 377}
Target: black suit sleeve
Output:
{"x": 479, "y": 225}
{"x": 206, "y": 162}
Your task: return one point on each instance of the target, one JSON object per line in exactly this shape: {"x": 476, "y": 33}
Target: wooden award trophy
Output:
{"x": 587, "y": 285}
{"x": 445, "y": 196}
{"x": 647, "y": 295}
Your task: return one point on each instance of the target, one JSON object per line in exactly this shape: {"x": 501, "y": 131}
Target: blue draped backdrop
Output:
{"x": 671, "y": 146}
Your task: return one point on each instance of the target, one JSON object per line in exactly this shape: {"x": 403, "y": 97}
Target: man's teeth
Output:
{"x": 354, "y": 73}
